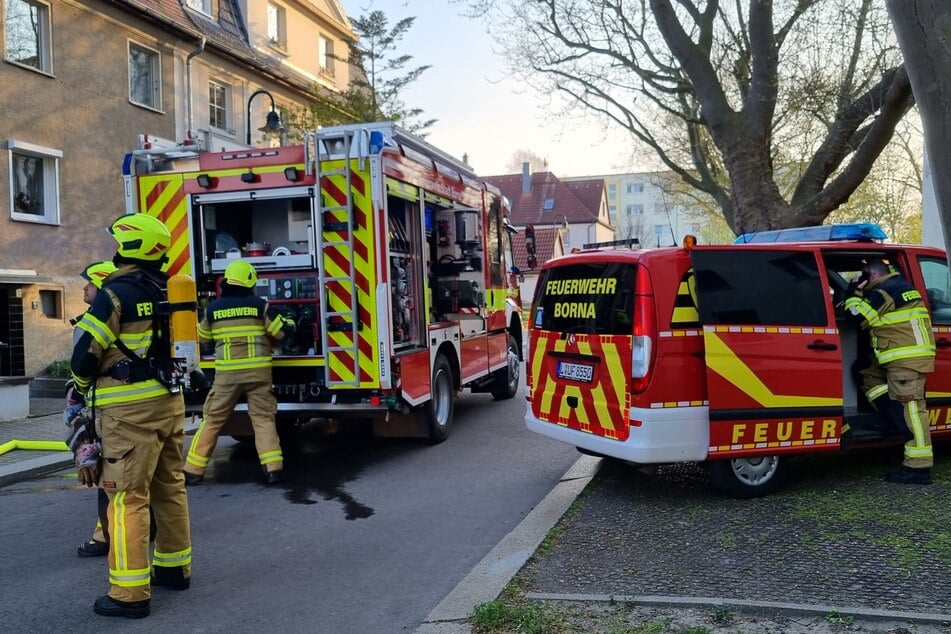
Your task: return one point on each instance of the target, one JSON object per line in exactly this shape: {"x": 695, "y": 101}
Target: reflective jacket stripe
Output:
{"x": 127, "y": 393}
{"x": 98, "y": 329}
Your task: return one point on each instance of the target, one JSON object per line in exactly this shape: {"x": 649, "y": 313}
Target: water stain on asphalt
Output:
{"x": 317, "y": 465}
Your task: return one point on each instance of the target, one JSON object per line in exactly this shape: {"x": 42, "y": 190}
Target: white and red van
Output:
{"x": 730, "y": 354}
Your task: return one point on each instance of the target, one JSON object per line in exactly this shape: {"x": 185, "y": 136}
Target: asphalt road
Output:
{"x": 366, "y": 536}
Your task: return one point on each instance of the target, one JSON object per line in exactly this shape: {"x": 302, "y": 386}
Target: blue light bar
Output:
{"x": 858, "y": 231}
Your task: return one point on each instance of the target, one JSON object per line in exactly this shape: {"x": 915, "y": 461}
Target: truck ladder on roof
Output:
{"x": 342, "y": 360}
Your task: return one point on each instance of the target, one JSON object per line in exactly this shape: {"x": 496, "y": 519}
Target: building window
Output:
{"x": 145, "y": 76}
{"x": 218, "y": 94}
{"x": 34, "y": 182}
{"x": 276, "y": 25}
{"x": 199, "y": 5}
{"x": 635, "y": 210}
{"x": 27, "y": 31}
{"x": 549, "y": 204}
{"x": 612, "y": 188}
{"x": 51, "y": 303}
{"x": 325, "y": 55}
{"x": 661, "y": 230}
{"x": 635, "y": 188}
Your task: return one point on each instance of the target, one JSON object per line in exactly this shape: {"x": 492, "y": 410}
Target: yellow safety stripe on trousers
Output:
{"x": 98, "y": 329}
{"x": 193, "y": 458}
{"x": 172, "y": 560}
{"x": 271, "y": 456}
{"x": 127, "y": 393}
{"x": 873, "y": 393}
{"x": 129, "y": 578}
{"x": 117, "y": 531}
{"x": 919, "y": 449}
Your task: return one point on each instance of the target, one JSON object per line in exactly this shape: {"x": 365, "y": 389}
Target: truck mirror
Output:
{"x": 530, "y": 240}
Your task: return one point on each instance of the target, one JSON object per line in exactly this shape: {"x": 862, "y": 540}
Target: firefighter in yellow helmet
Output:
{"x": 242, "y": 327}
{"x": 122, "y": 363}
{"x": 903, "y": 352}
{"x": 94, "y": 274}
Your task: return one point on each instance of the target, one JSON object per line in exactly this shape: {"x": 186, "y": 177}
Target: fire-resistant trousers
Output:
{"x": 227, "y": 389}
{"x": 906, "y": 388}
{"x": 142, "y": 464}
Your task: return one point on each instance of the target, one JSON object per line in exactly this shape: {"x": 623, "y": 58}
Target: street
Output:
{"x": 365, "y": 536}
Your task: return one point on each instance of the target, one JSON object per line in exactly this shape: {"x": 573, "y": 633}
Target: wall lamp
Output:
{"x": 273, "y": 126}
{"x": 205, "y": 181}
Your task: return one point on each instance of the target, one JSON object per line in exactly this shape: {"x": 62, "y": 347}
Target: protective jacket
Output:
{"x": 898, "y": 322}
{"x": 242, "y": 328}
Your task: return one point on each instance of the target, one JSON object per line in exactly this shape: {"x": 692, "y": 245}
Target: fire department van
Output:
{"x": 393, "y": 259}
{"x": 734, "y": 354}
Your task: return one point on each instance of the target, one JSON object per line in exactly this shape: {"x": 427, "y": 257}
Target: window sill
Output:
{"x": 278, "y": 47}
{"x": 34, "y": 69}
{"x": 38, "y": 220}
{"x": 147, "y": 107}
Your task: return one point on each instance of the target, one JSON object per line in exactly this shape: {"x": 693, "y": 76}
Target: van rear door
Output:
{"x": 772, "y": 350}
{"x": 580, "y": 345}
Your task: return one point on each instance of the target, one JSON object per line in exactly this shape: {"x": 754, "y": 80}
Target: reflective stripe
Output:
{"x": 129, "y": 578}
{"x": 904, "y": 352}
{"x": 98, "y": 329}
{"x": 193, "y": 458}
{"x": 275, "y": 326}
{"x": 271, "y": 456}
{"x": 127, "y": 393}
{"x": 172, "y": 560}
{"x": 237, "y": 331}
{"x": 117, "y": 531}
{"x": 873, "y": 393}
{"x": 242, "y": 364}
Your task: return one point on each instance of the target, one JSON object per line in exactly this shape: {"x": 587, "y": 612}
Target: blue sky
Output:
{"x": 480, "y": 111}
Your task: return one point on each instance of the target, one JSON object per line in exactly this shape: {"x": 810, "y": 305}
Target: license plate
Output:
{"x": 575, "y": 371}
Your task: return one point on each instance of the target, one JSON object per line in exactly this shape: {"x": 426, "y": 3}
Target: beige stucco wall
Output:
{"x": 82, "y": 110}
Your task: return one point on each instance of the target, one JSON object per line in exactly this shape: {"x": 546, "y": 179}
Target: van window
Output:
{"x": 589, "y": 298}
{"x": 935, "y": 273}
{"x": 759, "y": 288}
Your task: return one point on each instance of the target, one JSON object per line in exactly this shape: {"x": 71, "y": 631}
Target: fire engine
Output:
{"x": 392, "y": 257}
{"x": 737, "y": 356}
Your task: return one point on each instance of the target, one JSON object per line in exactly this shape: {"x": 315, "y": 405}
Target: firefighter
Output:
{"x": 903, "y": 352}
{"x": 242, "y": 326}
{"x": 122, "y": 363}
{"x": 94, "y": 274}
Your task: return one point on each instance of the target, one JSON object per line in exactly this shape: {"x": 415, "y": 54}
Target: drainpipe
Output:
{"x": 188, "y": 89}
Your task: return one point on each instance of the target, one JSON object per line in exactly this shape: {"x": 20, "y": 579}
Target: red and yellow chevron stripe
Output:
{"x": 163, "y": 196}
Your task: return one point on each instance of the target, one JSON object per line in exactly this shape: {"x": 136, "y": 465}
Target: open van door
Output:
{"x": 773, "y": 357}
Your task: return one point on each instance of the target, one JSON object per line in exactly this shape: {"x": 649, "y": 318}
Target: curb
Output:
{"x": 26, "y": 469}
{"x": 771, "y": 607}
{"x": 489, "y": 577}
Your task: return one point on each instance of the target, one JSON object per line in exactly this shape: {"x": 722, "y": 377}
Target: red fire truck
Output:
{"x": 391, "y": 256}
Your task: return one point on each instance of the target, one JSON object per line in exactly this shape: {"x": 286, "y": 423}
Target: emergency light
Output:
{"x": 858, "y": 231}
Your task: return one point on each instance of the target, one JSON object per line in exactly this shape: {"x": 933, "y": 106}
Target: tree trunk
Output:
{"x": 923, "y": 28}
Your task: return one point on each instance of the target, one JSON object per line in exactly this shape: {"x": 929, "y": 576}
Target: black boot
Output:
{"x": 907, "y": 475}
{"x": 107, "y": 606}
{"x": 273, "y": 477}
{"x": 170, "y": 577}
{"x": 191, "y": 479}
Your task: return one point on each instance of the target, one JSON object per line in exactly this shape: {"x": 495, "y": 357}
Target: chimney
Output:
{"x": 526, "y": 178}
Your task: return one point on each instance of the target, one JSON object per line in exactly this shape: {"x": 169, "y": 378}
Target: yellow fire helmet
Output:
{"x": 241, "y": 273}
{"x": 141, "y": 237}
{"x": 98, "y": 272}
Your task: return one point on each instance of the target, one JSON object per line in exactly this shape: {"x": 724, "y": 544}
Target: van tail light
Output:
{"x": 645, "y": 332}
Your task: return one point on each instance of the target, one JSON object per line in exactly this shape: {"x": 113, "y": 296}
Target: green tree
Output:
{"x": 379, "y": 77}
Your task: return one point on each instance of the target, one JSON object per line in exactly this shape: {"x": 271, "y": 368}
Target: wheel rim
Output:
{"x": 441, "y": 395}
{"x": 513, "y": 369}
{"x": 755, "y": 471}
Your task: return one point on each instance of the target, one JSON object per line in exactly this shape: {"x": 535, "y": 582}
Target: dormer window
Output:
{"x": 199, "y": 5}
{"x": 549, "y": 204}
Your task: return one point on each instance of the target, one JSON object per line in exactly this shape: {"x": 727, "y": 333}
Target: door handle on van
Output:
{"x": 821, "y": 345}
{"x": 942, "y": 343}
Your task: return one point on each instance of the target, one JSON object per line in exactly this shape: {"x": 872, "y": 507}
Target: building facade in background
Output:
{"x": 83, "y": 79}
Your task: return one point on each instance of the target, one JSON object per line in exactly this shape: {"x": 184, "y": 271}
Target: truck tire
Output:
{"x": 505, "y": 385}
{"x": 439, "y": 410}
{"x": 748, "y": 477}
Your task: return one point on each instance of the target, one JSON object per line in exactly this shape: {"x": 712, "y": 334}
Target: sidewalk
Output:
{"x": 45, "y": 423}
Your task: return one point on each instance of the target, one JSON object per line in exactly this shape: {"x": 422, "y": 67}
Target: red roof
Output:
{"x": 548, "y": 244}
{"x": 579, "y": 201}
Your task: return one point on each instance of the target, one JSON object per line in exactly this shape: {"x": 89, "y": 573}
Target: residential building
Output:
{"x": 642, "y": 206}
{"x": 577, "y": 207}
{"x": 82, "y": 79}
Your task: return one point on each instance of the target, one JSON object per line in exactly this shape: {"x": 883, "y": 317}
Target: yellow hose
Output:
{"x": 38, "y": 445}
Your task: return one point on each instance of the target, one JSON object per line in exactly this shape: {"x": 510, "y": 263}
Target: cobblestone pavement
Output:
{"x": 836, "y": 534}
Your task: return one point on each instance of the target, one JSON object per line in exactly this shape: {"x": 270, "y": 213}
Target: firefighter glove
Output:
{"x": 78, "y": 432}
{"x": 87, "y": 464}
